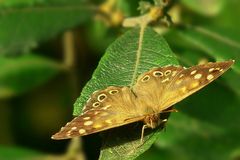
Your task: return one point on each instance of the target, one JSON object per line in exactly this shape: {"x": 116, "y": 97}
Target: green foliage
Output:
{"x": 219, "y": 46}
{"x": 22, "y": 28}
{"x": 207, "y": 8}
{"x": 10, "y": 153}
{"x": 21, "y": 74}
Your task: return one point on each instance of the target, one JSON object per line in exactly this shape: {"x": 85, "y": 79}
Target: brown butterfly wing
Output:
{"x": 192, "y": 79}
{"x": 106, "y": 109}
{"x": 172, "y": 84}
{"x": 151, "y": 86}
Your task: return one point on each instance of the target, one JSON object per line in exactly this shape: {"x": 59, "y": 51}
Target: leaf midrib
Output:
{"x": 138, "y": 55}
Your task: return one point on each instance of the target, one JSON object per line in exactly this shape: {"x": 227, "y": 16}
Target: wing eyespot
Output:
{"x": 145, "y": 78}
{"x": 167, "y": 72}
{"x": 112, "y": 92}
{"x": 96, "y": 104}
{"x": 157, "y": 74}
{"x": 102, "y": 97}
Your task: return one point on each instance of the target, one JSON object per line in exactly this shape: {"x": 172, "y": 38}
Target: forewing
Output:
{"x": 150, "y": 87}
{"x": 106, "y": 109}
{"x": 191, "y": 80}
{"x": 162, "y": 87}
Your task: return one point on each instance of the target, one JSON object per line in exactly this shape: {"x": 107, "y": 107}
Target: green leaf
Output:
{"x": 12, "y": 3}
{"x": 215, "y": 44}
{"x": 22, "y": 28}
{"x": 207, "y": 8}
{"x": 20, "y": 74}
{"x": 135, "y": 52}
{"x": 14, "y": 153}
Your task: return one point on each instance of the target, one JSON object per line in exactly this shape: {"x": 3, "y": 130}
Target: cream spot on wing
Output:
{"x": 82, "y": 131}
{"x": 109, "y": 121}
{"x": 193, "y": 72}
{"x": 174, "y": 73}
{"x": 184, "y": 89}
{"x": 165, "y": 80}
{"x": 62, "y": 128}
{"x": 221, "y": 70}
{"x": 157, "y": 74}
{"x": 209, "y": 77}
{"x": 106, "y": 107}
{"x": 84, "y": 107}
{"x": 198, "y": 76}
{"x": 88, "y": 123}
{"x": 194, "y": 84}
{"x": 97, "y": 126}
{"x": 211, "y": 69}
{"x": 96, "y": 104}
{"x": 178, "y": 81}
{"x": 67, "y": 123}
{"x": 96, "y": 112}
{"x": 145, "y": 78}
{"x": 181, "y": 75}
{"x": 86, "y": 118}
{"x": 167, "y": 72}
{"x": 73, "y": 128}
{"x": 101, "y": 97}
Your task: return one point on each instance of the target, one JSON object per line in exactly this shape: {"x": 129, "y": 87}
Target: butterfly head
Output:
{"x": 152, "y": 120}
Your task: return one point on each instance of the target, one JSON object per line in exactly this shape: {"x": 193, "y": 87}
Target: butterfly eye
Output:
{"x": 96, "y": 104}
{"x": 145, "y": 78}
{"x": 101, "y": 97}
{"x": 113, "y": 91}
{"x": 157, "y": 74}
{"x": 167, "y": 72}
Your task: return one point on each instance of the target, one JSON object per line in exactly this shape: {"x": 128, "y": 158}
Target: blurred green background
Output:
{"x": 49, "y": 49}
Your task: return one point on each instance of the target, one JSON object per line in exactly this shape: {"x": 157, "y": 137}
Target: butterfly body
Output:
{"x": 155, "y": 92}
{"x": 152, "y": 120}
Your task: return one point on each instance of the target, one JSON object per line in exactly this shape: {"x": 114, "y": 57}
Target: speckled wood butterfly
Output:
{"x": 154, "y": 92}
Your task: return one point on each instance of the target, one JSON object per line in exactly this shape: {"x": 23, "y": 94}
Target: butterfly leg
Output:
{"x": 143, "y": 128}
{"x": 164, "y": 121}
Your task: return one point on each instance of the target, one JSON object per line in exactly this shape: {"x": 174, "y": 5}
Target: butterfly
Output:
{"x": 154, "y": 92}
